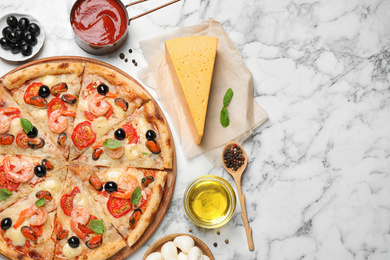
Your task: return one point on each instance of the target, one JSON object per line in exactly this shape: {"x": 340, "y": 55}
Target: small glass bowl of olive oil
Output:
{"x": 209, "y": 201}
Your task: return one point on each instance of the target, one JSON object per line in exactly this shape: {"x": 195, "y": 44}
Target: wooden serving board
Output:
{"x": 156, "y": 246}
{"x": 171, "y": 177}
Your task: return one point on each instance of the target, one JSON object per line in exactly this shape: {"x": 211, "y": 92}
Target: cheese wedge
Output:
{"x": 191, "y": 62}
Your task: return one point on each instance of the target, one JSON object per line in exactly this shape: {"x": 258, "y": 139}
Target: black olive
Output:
{"x": 111, "y": 186}
{"x": 120, "y": 134}
{"x": 150, "y": 135}
{"x": 102, "y": 89}
{"x": 40, "y": 170}
{"x": 74, "y": 242}
{"x": 44, "y": 91}
{"x": 6, "y": 31}
{"x": 5, "y": 44}
{"x": 26, "y": 49}
{"x": 15, "y": 48}
{"x": 30, "y": 39}
{"x": 23, "y": 23}
{"x": 33, "y": 133}
{"x": 12, "y": 21}
{"x": 6, "y": 223}
{"x": 13, "y": 36}
{"x": 34, "y": 29}
{"x": 20, "y": 35}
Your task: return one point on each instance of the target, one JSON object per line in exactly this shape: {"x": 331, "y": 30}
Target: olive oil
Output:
{"x": 210, "y": 202}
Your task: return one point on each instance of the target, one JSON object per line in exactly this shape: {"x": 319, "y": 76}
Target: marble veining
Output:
{"x": 318, "y": 181}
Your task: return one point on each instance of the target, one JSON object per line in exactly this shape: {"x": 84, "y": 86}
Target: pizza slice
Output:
{"x": 20, "y": 174}
{"x": 142, "y": 140}
{"x": 82, "y": 231}
{"x": 27, "y": 226}
{"x": 14, "y": 122}
{"x": 130, "y": 197}
{"x": 106, "y": 98}
{"x": 49, "y": 92}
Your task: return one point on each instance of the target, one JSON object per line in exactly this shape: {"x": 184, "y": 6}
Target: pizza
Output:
{"x": 13, "y": 137}
{"x": 49, "y": 92}
{"x": 85, "y": 154}
{"x": 81, "y": 226}
{"x": 142, "y": 140}
{"x": 106, "y": 99}
{"x": 128, "y": 196}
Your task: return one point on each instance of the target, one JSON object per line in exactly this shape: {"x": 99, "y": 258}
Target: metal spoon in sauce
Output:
{"x": 237, "y": 174}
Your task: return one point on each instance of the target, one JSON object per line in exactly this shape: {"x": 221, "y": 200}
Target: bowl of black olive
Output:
{"x": 22, "y": 37}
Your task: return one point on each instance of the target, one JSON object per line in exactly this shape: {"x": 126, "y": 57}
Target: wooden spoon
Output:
{"x": 237, "y": 178}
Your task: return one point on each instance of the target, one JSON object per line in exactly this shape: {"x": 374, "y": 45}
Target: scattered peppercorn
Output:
{"x": 133, "y": 60}
{"x": 218, "y": 233}
{"x": 126, "y": 60}
{"x": 226, "y": 241}
{"x": 190, "y": 230}
{"x": 215, "y": 244}
{"x": 135, "y": 64}
{"x": 122, "y": 56}
{"x": 233, "y": 157}
{"x": 130, "y": 50}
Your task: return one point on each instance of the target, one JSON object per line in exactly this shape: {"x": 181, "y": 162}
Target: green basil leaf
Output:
{"x": 112, "y": 143}
{"x": 4, "y": 194}
{"x": 40, "y": 202}
{"x": 228, "y": 96}
{"x": 136, "y": 196}
{"x": 224, "y": 117}
{"x": 27, "y": 126}
{"x": 96, "y": 225}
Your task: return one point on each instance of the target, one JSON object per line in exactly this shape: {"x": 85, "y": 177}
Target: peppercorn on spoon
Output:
{"x": 237, "y": 174}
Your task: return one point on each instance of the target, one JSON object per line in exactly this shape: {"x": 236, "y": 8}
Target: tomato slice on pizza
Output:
{"x": 142, "y": 140}
{"x": 106, "y": 99}
{"x": 129, "y": 197}
{"x": 81, "y": 228}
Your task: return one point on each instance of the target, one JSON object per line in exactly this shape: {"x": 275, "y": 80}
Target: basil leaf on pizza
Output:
{"x": 4, "y": 194}
{"x": 96, "y": 225}
{"x": 136, "y": 196}
{"x": 112, "y": 143}
{"x": 40, "y": 202}
{"x": 27, "y": 126}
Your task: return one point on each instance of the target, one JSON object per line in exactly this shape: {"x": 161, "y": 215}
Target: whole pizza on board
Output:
{"x": 85, "y": 154}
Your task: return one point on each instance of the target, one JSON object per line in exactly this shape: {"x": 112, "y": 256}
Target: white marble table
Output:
{"x": 318, "y": 181}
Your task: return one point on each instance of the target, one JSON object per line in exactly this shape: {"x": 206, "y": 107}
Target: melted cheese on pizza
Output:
{"x": 70, "y": 252}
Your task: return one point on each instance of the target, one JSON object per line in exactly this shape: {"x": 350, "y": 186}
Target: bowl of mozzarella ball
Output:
{"x": 178, "y": 246}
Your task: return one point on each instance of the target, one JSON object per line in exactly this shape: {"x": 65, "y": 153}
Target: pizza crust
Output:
{"x": 18, "y": 78}
{"x": 126, "y": 83}
{"x": 153, "y": 115}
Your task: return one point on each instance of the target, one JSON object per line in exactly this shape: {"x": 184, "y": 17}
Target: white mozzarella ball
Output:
{"x": 205, "y": 257}
{"x": 155, "y": 256}
{"x": 170, "y": 258}
{"x": 184, "y": 243}
{"x": 169, "y": 250}
{"x": 195, "y": 254}
{"x": 182, "y": 256}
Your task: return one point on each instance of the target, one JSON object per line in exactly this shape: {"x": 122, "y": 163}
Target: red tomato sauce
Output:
{"x": 99, "y": 22}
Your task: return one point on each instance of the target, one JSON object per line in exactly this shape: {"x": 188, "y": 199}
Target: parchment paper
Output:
{"x": 229, "y": 72}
